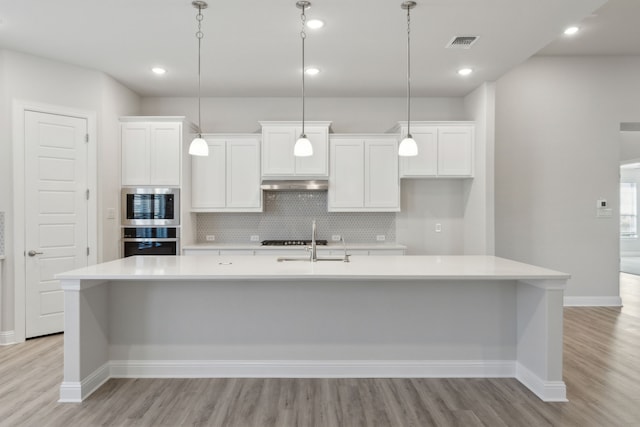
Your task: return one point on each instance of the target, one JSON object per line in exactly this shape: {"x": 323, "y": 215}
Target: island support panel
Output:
{"x": 313, "y": 328}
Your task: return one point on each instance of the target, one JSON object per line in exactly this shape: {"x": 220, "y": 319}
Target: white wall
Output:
{"x": 557, "y": 152}
{"x": 117, "y": 101}
{"x": 45, "y": 82}
{"x": 349, "y": 115}
{"x": 479, "y": 221}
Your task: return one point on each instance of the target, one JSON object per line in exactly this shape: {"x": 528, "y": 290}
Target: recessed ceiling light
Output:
{"x": 159, "y": 70}
{"x": 465, "y": 71}
{"x": 571, "y": 31}
{"x": 314, "y": 24}
{"x": 311, "y": 71}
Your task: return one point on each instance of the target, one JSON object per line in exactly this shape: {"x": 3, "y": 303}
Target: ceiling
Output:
{"x": 252, "y": 48}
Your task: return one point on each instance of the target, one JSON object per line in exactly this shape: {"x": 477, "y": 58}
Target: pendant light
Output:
{"x": 408, "y": 146}
{"x": 198, "y": 146}
{"x": 303, "y": 147}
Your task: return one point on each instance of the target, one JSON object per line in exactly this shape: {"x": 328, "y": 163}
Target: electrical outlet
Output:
{"x": 211, "y": 237}
{"x": 438, "y": 228}
{"x": 111, "y": 213}
{"x": 335, "y": 237}
{"x": 254, "y": 238}
{"x": 381, "y": 237}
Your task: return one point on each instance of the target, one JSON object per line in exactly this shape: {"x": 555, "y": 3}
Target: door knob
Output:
{"x": 34, "y": 253}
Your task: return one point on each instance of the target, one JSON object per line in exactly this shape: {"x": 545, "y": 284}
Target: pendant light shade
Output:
{"x": 303, "y": 147}
{"x": 408, "y": 146}
{"x": 199, "y": 146}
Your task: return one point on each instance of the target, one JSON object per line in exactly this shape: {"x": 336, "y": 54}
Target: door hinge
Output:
{"x": 88, "y": 193}
{"x": 88, "y": 252}
{"x": 86, "y": 137}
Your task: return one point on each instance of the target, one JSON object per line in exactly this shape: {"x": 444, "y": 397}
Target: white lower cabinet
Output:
{"x": 228, "y": 179}
{"x": 363, "y": 174}
{"x": 334, "y": 252}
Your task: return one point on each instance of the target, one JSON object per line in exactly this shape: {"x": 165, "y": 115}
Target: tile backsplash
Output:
{"x": 1, "y": 233}
{"x": 288, "y": 215}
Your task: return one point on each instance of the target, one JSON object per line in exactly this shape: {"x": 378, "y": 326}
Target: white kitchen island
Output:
{"x": 246, "y": 316}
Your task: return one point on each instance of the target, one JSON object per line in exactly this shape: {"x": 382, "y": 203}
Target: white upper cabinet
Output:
{"x": 455, "y": 151}
{"x": 278, "y": 140}
{"x": 151, "y": 152}
{"x": 445, "y": 149}
{"x": 364, "y": 174}
{"x": 228, "y": 179}
{"x": 346, "y": 181}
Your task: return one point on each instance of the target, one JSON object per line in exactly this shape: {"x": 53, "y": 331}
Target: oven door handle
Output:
{"x": 148, "y": 239}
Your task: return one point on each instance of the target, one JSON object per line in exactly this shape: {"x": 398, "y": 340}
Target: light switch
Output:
{"x": 111, "y": 213}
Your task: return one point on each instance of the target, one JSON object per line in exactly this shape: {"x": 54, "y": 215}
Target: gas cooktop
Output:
{"x": 291, "y": 242}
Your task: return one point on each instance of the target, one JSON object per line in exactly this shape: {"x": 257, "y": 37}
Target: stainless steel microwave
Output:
{"x": 150, "y": 206}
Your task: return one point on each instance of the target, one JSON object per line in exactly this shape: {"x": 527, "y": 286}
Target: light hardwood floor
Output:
{"x": 601, "y": 370}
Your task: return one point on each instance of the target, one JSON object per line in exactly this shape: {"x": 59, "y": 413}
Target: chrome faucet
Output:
{"x": 314, "y": 252}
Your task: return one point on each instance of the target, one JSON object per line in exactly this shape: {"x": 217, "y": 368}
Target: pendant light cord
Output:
{"x": 409, "y": 72}
{"x": 303, "y": 36}
{"x": 199, "y": 35}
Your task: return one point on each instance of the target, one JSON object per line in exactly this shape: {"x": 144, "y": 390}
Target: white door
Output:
{"x": 55, "y": 213}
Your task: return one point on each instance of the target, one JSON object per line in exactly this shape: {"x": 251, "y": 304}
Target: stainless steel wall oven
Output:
{"x": 150, "y": 241}
{"x": 150, "y": 206}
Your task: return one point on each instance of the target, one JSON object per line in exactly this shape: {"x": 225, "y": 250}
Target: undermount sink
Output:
{"x": 307, "y": 259}
{"x": 313, "y": 256}
{"x": 294, "y": 259}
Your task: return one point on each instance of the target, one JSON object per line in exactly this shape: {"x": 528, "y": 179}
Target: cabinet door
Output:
{"x": 208, "y": 177}
{"x": 134, "y": 138}
{"x": 277, "y": 150}
{"x": 243, "y": 174}
{"x": 455, "y": 151}
{"x": 382, "y": 183}
{"x": 165, "y": 143}
{"x": 426, "y": 162}
{"x": 318, "y": 163}
{"x": 346, "y": 177}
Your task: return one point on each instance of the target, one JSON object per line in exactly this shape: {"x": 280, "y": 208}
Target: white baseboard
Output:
{"x": 603, "y": 301}
{"x": 7, "y": 337}
{"x": 548, "y": 391}
{"x": 312, "y": 369}
{"x": 75, "y": 392}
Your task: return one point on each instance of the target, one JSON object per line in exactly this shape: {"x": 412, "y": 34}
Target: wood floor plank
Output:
{"x": 601, "y": 360}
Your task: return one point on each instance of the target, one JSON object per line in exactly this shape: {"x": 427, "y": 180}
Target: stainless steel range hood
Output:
{"x": 295, "y": 185}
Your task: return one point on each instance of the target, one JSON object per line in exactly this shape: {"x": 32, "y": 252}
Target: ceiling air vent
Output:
{"x": 462, "y": 42}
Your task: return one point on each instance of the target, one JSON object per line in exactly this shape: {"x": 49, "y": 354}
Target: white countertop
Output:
{"x": 256, "y": 246}
{"x": 267, "y": 268}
